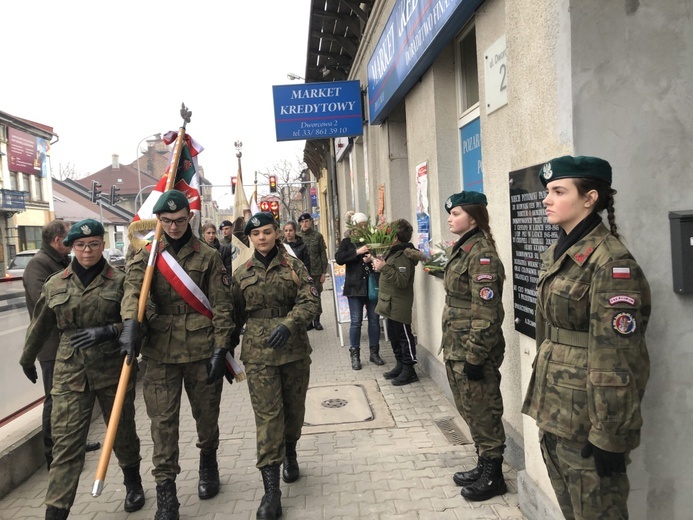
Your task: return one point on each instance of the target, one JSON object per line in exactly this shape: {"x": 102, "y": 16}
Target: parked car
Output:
{"x": 18, "y": 263}
{"x": 115, "y": 257}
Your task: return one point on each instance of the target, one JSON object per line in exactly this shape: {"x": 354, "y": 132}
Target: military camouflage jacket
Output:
{"x": 473, "y": 312}
{"x": 396, "y": 283}
{"x": 284, "y": 286}
{"x": 317, "y": 251}
{"x": 591, "y": 367}
{"x": 176, "y": 333}
{"x": 67, "y": 306}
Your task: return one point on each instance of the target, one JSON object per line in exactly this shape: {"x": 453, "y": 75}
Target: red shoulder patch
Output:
{"x": 581, "y": 257}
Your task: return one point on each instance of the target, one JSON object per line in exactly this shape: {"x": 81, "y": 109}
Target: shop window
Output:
{"x": 468, "y": 73}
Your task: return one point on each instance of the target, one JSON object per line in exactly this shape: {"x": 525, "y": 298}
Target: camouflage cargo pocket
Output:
{"x": 568, "y": 304}
{"x": 566, "y": 398}
{"x": 612, "y": 395}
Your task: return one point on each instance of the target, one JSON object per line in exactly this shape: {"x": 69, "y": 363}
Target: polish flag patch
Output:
{"x": 621, "y": 272}
{"x": 484, "y": 261}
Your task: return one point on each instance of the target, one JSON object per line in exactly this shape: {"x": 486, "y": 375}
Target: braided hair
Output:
{"x": 605, "y": 200}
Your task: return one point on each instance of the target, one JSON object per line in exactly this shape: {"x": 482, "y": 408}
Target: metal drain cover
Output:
{"x": 337, "y": 404}
{"x": 451, "y": 431}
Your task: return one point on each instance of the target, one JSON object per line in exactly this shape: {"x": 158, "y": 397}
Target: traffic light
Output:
{"x": 233, "y": 185}
{"x": 274, "y": 209}
{"x": 114, "y": 196}
{"x": 273, "y": 183}
{"x": 95, "y": 191}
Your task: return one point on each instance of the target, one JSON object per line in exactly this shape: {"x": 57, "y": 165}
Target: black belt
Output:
{"x": 179, "y": 308}
{"x": 279, "y": 312}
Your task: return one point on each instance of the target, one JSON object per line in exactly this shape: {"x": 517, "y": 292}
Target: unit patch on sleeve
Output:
{"x": 314, "y": 291}
{"x": 621, "y": 298}
{"x": 483, "y": 277}
{"x": 486, "y": 293}
{"x": 624, "y": 323}
{"x": 484, "y": 261}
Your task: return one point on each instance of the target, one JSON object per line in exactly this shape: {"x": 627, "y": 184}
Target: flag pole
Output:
{"x": 112, "y": 428}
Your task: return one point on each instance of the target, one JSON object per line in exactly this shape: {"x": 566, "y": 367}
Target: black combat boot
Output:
{"x": 391, "y": 374}
{"x": 53, "y": 513}
{"x": 271, "y": 505}
{"x": 166, "y": 501}
{"x": 464, "y": 478}
{"x": 355, "y": 353}
{"x": 317, "y": 324}
{"x": 490, "y": 484}
{"x": 290, "y": 471}
{"x": 375, "y": 356}
{"x": 406, "y": 376}
{"x": 208, "y": 486}
{"x": 134, "y": 494}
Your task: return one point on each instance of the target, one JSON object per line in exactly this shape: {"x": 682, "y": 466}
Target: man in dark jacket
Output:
{"x": 52, "y": 257}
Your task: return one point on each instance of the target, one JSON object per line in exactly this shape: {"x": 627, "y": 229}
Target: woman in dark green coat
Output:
{"x": 473, "y": 343}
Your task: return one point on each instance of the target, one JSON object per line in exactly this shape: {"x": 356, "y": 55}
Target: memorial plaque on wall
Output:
{"x": 531, "y": 235}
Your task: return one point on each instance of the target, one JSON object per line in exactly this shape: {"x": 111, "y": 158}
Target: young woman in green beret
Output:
{"x": 591, "y": 367}
{"x": 274, "y": 299}
{"x": 473, "y": 343}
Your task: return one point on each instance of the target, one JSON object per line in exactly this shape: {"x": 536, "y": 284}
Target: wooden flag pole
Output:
{"x": 111, "y": 430}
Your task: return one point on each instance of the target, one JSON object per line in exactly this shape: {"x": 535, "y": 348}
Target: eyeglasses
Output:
{"x": 81, "y": 246}
{"x": 178, "y": 222}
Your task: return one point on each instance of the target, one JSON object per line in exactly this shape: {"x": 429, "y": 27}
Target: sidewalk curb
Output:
{"x": 20, "y": 460}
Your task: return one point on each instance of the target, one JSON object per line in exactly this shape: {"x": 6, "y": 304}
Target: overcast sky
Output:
{"x": 105, "y": 75}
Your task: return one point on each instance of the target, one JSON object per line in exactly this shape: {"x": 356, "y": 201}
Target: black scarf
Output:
{"x": 464, "y": 238}
{"x": 566, "y": 241}
{"x": 87, "y": 275}
{"x": 266, "y": 259}
{"x": 178, "y": 243}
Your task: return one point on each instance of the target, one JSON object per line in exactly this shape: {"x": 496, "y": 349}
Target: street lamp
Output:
{"x": 139, "y": 193}
{"x": 293, "y": 76}
{"x": 139, "y": 177}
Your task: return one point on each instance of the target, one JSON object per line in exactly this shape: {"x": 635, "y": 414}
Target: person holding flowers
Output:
{"x": 473, "y": 345}
{"x": 357, "y": 259}
{"x": 396, "y": 297}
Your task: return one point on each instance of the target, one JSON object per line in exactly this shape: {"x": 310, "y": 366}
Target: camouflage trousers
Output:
{"x": 481, "y": 406}
{"x": 70, "y": 420}
{"x": 318, "y": 287}
{"x": 278, "y": 397}
{"x": 162, "y": 387}
{"x": 581, "y": 493}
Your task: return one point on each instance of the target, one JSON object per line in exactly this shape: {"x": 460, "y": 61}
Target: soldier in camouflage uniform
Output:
{"x": 473, "y": 343}
{"x": 274, "y": 297}
{"x": 83, "y": 303}
{"x": 592, "y": 365}
{"x": 317, "y": 250}
{"x": 183, "y": 347}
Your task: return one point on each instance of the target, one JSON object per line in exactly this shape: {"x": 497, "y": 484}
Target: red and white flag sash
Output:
{"x": 193, "y": 296}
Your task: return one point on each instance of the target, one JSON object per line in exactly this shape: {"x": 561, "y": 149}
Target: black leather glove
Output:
{"x": 279, "y": 336}
{"x": 84, "y": 338}
{"x": 217, "y": 365}
{"x": 130, "y": 340}
{"x": 473, "y": 372}
{"x": 606, "y": 462}
{"x": 30, "y": 373}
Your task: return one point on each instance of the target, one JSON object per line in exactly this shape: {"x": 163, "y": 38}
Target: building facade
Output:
{"x": 473, "y": 94}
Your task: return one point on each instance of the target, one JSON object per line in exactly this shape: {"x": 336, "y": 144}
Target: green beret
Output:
{"x": 305, "y": 216}
{"x": 258, "y": 220}
{"x": 582, "y": 167}
{"x": 83, "y": 229}
{"x": 465, "y": 198}
{"x": 171, "y": 202}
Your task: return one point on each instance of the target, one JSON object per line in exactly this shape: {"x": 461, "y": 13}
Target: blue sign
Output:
{"x": 12, "y": 200}
{"x": 318, "y": 110}
{"x": 472, "y": 174}
{"x": 414, "y": 35}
